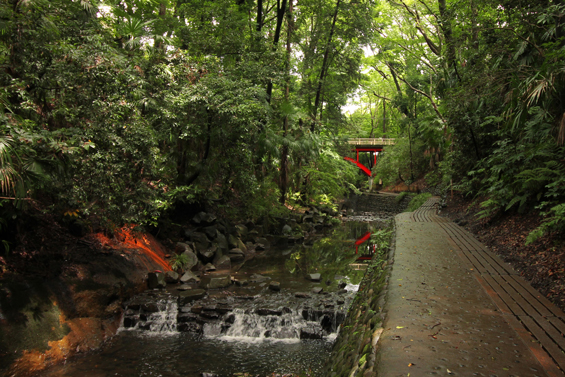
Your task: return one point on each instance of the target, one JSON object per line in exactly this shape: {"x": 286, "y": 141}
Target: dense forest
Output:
{"x": 120, "y": 111}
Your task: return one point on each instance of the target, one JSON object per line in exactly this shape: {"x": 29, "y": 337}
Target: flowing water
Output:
{"x": 245, "y": 327}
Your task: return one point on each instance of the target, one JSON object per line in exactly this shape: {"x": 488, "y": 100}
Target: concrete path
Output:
{"x": 454, "y": 308}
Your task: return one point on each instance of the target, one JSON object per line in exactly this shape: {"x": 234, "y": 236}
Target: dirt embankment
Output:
{"x": 61, "y": 295}
{"x": 541, "y": 262}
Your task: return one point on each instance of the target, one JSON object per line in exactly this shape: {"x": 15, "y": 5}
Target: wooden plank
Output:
{"x": 552, "y": 349}
{"x": 509, "y": 270}
{"x": 551, "y": 331}
{"x": 493, "y": 265}
{"x": 538, "y": 296}
{"x": 532, "y": 300}
{"x": 508, "y": 300}
{"x": 474, "y": 262}
{"x": 468, "y": 264}
{"x": 540, "y": 354}
{"x": 558, "y": 324}
{"x": 516, "y": 296}
{"x": 501, "y": 266}
{"x": 495, "y": 293}
{"x": 480, "y": 263}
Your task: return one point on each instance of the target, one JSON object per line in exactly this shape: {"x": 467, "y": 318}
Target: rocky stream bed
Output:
{"x": 249, "y": 297}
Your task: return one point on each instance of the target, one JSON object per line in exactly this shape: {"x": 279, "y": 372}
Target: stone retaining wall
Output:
{"x": 354, "y": 352}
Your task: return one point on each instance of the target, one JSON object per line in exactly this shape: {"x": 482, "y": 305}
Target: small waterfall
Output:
{"x": 246, "y": 324}
{"x": 152, "y": 314}
{"x": 261, "y": 324}
{"x": 158, "y": 312}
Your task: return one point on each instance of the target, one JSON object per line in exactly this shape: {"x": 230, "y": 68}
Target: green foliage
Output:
{"x": 395, "y": 165}
{"x": 381, "y": 238}
{"x": 554, "y": 222}
{"x": 417, "y": 201}
{"x": 330, "y": 177}
{"x": 402, "y": 195}
{"x": 179, "y": 262}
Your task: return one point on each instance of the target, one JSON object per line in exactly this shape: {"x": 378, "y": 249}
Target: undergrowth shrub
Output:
{"x": 417, "y": 201}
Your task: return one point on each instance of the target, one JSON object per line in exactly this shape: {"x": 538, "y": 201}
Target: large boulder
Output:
{"x": 263, "y": 241}
{"x": 156, "y": 280}
{"x": 187, "y": 297}
{"x": 241, "y": 245}
{"x": 200, "y": 240}
{"x": 315, "y": 277}
{"x": 275, "y": 286}
{"x": 232, "y": 241}
{"x": 204, "y": 219}
{"x": 181, "y": 247}
{"x": 235, "y": 242}
{"x": 223, "y": 262}
{"x": 236, "y": 255}
{"x": 312, "y": 332}
{"x": 210, "y": 231}
{"x": 220, "y": 281}
{"x": 189, "y": 277}
{"x": 207, "y": 255}
{"x": 256, "y": 278}
{"x": 241, "y": 231}
{"x": 171, "y": 277}
{"x": 192, "y": 260}
{"x": 222, "y": 242}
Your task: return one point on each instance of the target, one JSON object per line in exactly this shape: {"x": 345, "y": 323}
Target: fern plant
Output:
{"x": 179, "y": 262}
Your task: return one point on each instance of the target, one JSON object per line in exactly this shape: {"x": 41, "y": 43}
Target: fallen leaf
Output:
{"x": 399, "y": 327}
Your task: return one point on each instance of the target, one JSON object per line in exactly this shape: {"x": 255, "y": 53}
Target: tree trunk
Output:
{"x": 384, "y": 118}
{"x": 259, "y": 25}
{"x": 281, "y": 9}
{"x": 324, "y": 68}
{"x": 448, "y": 35}
{"x": 162, "y": 14}
{"x": 284, "y": 152}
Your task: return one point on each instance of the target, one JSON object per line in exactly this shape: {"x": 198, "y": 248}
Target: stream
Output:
{"x": 248, "y": 327}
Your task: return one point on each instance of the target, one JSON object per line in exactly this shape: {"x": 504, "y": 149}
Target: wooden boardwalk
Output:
{"x": 540, "y": 324}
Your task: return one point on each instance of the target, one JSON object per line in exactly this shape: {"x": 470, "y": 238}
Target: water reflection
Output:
{"x": 335, "y": 255}
{"x": 189, "y": 356}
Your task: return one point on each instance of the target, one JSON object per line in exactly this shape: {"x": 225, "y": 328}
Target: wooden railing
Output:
{"x": 371, "y": 141}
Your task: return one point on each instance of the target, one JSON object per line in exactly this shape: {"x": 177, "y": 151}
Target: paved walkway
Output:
{"x": 455, "y": 308}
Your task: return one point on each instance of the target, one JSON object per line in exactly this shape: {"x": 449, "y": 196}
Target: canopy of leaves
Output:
{"x": 120, "y": 110}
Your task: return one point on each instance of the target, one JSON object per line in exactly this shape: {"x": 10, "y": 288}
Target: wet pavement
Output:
{"x": 454, "y": 308}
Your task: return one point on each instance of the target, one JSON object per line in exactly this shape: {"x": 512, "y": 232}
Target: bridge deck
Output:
{"x": 370, "y": 142}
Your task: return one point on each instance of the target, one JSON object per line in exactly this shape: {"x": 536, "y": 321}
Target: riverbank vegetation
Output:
{"x": 130, "y": 111}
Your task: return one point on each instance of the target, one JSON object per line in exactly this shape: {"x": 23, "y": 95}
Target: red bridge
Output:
{"x": 372, "y": 146}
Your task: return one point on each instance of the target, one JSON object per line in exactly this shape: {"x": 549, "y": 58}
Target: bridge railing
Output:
{"x": 371, "y": 141}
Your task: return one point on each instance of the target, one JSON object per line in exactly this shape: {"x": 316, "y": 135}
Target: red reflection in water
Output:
{"x": 361, "y": 240}
{"x": 144, "y": 243}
